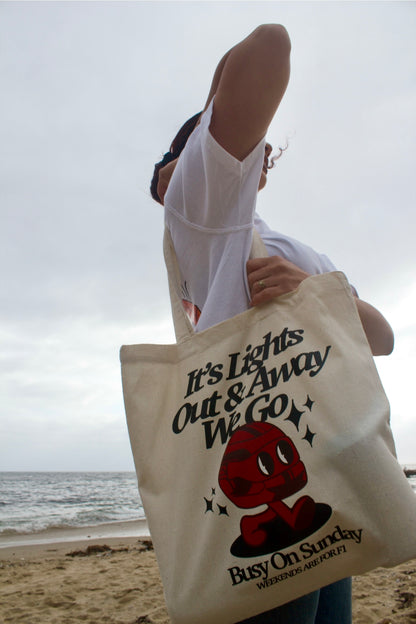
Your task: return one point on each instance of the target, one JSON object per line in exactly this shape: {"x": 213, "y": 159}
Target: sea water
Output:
{"x": 31, "y": 502}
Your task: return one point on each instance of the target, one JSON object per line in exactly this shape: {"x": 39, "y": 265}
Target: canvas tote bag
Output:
{"x": 264, "y": 456}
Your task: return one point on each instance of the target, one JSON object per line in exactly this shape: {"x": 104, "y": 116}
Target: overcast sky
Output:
{"x": 91, "y": 95}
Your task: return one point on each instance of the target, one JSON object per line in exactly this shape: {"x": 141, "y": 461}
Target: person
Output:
{"x": 208, "y": 183}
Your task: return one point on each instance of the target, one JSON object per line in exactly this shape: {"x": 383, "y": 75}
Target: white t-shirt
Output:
{"x": 210, "y": 212}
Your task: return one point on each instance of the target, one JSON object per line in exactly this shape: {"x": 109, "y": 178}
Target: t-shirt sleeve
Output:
{"x": 293, "y": 250}
{"x": 210, "y": 188}
{"x": 209, "y": 210}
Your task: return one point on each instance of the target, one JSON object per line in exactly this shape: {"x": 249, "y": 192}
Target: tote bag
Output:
{"x": 264, "y": 456}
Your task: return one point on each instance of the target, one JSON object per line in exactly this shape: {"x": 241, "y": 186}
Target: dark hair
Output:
{"x": 176, "y": 148}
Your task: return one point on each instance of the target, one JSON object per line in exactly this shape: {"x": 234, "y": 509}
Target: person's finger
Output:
{"x": 260, "y": 278}
{"x": 266, "y": 295}
{"x": 254, "y": 264}
{"x": 259, "y": 285}
{"x": 257, "y": 268}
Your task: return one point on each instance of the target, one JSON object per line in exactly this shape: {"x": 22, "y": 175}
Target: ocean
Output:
{"x": 32, "y": 502}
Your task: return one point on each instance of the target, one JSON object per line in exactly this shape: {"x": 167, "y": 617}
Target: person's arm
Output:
{"x": 378, "y": 331}
{"x": 248, "y": 85}
{"x": 273, "y": 276}
{"x": 216, "y": 79}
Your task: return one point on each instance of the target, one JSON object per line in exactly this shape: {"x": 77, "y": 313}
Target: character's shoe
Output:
{"x": 252, "y": 534}
{"x": 303, "y": 512}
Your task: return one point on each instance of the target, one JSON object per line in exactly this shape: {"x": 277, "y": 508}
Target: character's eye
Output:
{"x": 265, "y": 463}
{"x": 284, "y": 452}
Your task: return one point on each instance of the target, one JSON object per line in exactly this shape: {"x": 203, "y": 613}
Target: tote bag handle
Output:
{"x": 181, "y": 322}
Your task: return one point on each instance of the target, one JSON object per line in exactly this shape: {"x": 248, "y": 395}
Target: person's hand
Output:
{"x": 274, "y": 276}
{"x": 271, "y": 277}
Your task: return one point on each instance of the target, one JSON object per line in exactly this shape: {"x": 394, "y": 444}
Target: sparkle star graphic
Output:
{"x": 294, "y": 415}
{"x": 212, "y": 491}
{"x": 222, "y": 511}
{"x": 309, "y": 403}
{"x": 309, "y": 436}
{"x": 209, "y": 505}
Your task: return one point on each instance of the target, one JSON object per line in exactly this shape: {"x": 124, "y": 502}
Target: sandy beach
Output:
{"x": 115, "y": 580}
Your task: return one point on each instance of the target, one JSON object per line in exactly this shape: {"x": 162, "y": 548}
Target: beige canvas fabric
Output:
{"x": 264, "y": 455}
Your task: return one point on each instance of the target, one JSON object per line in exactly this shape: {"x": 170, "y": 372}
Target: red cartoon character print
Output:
{"x": 261, "y": 466}
{"x": 192, "y": 311}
